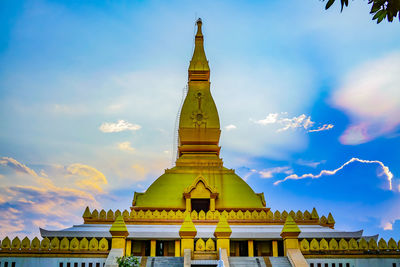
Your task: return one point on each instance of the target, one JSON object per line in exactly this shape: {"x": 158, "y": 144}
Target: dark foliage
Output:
{"x": 380, "y": 9}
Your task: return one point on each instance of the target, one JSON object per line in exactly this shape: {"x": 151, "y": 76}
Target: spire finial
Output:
{"x": 198, "y": 68}
{"x": 199, "y": 23}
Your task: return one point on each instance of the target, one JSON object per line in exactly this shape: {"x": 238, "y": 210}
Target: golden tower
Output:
{"x": 199, "y": 180}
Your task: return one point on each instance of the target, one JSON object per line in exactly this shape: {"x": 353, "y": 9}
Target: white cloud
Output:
{"x": 271, "y": 118}
{"x": 125, "y": 146}
{"x": 324, "y": 127}
{"x": 269, "y": 173}
{"x": 303, "y": 121}
{"x": 370, "y": 95}
{"x": 385, "y": 171}
{"x": 387, "y": 226}
{"x": 230, "y": 127}
{"x": 121, "y": 125}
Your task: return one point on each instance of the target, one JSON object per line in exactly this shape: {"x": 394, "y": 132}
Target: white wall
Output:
{"x": 50, "y": 262}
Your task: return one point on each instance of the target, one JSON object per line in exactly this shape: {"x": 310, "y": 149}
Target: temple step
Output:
{"x": 280, "y": 262}
{"x": 246, "y": 261}
{"x": 164, "y": 261}
{"x": 208, "y": 263}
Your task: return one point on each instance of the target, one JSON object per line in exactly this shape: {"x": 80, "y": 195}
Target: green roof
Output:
{"x": 167, "y": 190}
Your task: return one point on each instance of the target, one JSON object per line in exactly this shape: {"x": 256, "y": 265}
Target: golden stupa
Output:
{"x": 200, "y": 213}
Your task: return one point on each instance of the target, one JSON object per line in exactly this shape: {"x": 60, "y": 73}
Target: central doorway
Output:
{"x": 199, "y": 204}
{"x": 239, "y": 248}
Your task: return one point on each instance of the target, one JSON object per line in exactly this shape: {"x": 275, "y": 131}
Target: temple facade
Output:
{"x": 200, "y": 213}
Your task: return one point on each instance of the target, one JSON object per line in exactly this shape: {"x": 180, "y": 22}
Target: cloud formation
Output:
{"x": 269, "y": 173}
{"x": 324, "y": 127}
{"x": 385, "y": 171}
{"x": 119, "y": 126}
{"x": 303, "y": 121}
{"x": 17, "y": 166}
{"x": 370, "y": 95}
{"x": 87, "y": 177}
{"x": 125, "y": 146}
{"x": 230, "y": 127}
{"x": 29, "y": 200}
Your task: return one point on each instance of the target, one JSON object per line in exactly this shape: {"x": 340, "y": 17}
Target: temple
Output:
{"x": 200, "y": 213}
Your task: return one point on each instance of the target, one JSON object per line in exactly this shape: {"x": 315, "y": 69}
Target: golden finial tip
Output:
{"x": 199, "y": 23}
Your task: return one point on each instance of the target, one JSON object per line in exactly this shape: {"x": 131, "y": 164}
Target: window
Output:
{"x": 83, "y": 264}
{"x": 394, "y": 264}
{"x": 68, "y": 264}
{"x": 98, "y": 264}
{"x": 326, "y": 265}
{"x": 318, "y": 264}
{"x": 340, "y": 264}
{"x": 311, "y": 264}
{"x": 6, "y": 264}
{"x": 333, "y": 264}
{"x": 13, "y": 264}
{"x": 61, "y": 264}
{"x": 90, "y": 264}
{"x": 75, "y": 264}
{"x": 347, "y": 264}
{"x": 200, "y": 204}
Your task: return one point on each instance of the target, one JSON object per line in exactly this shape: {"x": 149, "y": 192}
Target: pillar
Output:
{"x": 152, "y": 248}
{"x": 188, "y": 204}
{"x": 290, "y": 234}
{"x": 212, "y": 204}
{"x": 250, "y": 245}
{"x": 128, "y": 248}
{"x": 187, "y": 234}
{"x": 177, "y": 248}
{"x": 223, "y": 233}
{"x": 274, "y": 248}
{"x": 119, "y": 232}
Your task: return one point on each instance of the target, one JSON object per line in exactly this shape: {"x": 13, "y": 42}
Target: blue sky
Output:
{"x": 89, "y": 94}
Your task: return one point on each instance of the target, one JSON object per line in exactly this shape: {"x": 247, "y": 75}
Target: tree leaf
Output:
{"x": 330, "y": 2}
{"x": 378, "y": 14}
{"x": 375, "y": 7}
{"x": 382, "y": 16}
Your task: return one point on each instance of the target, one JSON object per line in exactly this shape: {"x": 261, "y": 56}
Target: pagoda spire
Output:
{"x": 199, "y": 128}
{"x": 198, "y": 68}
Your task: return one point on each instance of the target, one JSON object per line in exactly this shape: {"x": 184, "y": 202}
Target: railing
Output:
{"x": 352, "y": 246}
{"x": 55, "y": 245}
{"x": 235, "y": 216}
